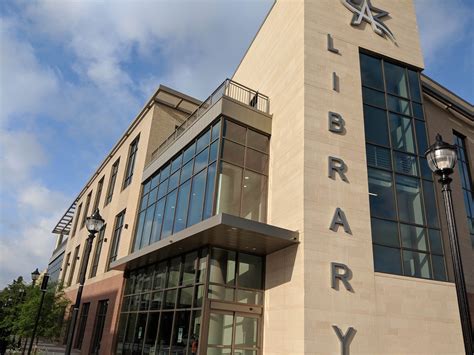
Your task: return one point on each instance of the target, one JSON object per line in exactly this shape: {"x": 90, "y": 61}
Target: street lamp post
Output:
{"x": 34, "y": 276}
{"x": 44, "y": 286}
{"x": 94, "y": 224}
{"x": 441, "y": 158}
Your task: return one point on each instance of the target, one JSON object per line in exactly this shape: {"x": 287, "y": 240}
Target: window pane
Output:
{"x": 157, "y": 221}
{"x": 129, "y": 334}
{"x": 151, "y": 330}
{"x": 439, "y": 270}
{"x": 176, "y": 163}
{"x": 387, "y": 260}
{"x": 156, "y": 300}
{"x": 198, "y": 296}
{"x": 163, "y": 189}
{"x": 159, "y": 277}
{"x": 220, "y": 329}
{"x": 398, "y": 105}
{"x": 396, "y": 79}
{"x": 197, "y": 198}
{"x": 203, "y": 141}
{"x": 417, "y": 110}
{"x": 165, "y": 172}
{"x": 173, "y": 182}
{"x": 256, "y": 161}
{"x": 416, "y": 264}
{"x": 182, "y": 207}
{"x": 425, "y": 169}
{"x": 375, "y": 123}
{"x": 436, "y": 243}
{"x": 164, "y": 334}
{"x": 173, "y": 272}
{"x": 257, "y": 141}
{"x": 202, "y": 271}
{"x": 152, "y": 196}
{"x": 371, "y": 71}
{"x": 378, "y": 157}
{"x": 216, "y": 130}
{"x": 187, "y": 171}
{"x": 170, "y": 299}
{"x": 405, "y": 163}
{"x": 421, "y": 137}
{"x": 234, "y": 131}
{"x": 413, "y": 237}
{"x": 181, "y": 332}
{"x": 138, "y": 237}
{"x": 254, "y": 200}
{"x": 221, "y": 293}
{"x": 430, "y": 204}
{"x": 233, "y": 152}
{"x": 147, "y": 226}
{"x": 246, "y": 331}
{"x": 373, "y": 97}
{"x": 185, "y": 297}
{"x": 139, "y": 333}
{"x": 209, "y": 198}
{"x": 189, "y": 153}
{"x": 169, "y": 214}
{"x": 189, "y": 268}
{"x": 144, "y": 302}
{"x": 414, "y": 85}
{"x": 250, "y": 271}
{"x": 201, "y": 160}
{"x": 222, "y": 266}
{"x": 385, "y": 232}
{"x": 402, "y": 133}
{"x": 229, "y": 188}
{"x": 249, "y": 297}
{"x": 410, "y": 205}
{"x": 213, "y": 151}
{"x": 382, "y": 202}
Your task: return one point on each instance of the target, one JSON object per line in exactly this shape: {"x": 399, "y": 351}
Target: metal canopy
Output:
{"x": 222, "y": 230}
{"x": 64, "y": 225}
{"x": 176, "y": 99}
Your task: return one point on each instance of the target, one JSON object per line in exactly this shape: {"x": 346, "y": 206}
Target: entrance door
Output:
{"x": 233, "y": 331}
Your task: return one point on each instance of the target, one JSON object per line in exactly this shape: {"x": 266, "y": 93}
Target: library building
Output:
{"x": 295, "y": 210}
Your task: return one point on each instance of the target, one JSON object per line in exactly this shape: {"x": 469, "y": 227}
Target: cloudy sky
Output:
{"x": 73, "y": 75}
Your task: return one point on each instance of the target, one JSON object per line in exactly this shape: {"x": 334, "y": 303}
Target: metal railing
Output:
{"x": 229, "y": 89}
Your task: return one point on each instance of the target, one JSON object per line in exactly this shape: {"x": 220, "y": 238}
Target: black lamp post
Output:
{"x": 44, "y": 287}
{"x": 34, "y": 276}
{"x": 441, "y": 158}
{"x": 94, "y": 224}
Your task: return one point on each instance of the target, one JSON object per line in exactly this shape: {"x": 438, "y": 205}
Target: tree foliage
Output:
{"x": 18, "y": 310}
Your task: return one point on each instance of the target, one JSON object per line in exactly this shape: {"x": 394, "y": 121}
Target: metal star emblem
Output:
{"x": 364, "y": 11}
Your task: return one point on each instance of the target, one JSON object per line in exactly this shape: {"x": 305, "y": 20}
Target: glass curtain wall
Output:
{"x": 186, "y": 190}
{"x": 466, "y": 181}
{"x": 162, "y": 306}
{"x": 405, "y": 226}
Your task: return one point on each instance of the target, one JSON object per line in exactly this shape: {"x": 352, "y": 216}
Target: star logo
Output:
{"x": 363, "y": 10}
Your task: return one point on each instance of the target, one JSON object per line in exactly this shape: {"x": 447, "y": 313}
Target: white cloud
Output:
{"x": 442, "y": 24}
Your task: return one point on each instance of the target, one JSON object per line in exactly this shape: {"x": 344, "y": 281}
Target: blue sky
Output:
{"x": 74, "y": 74}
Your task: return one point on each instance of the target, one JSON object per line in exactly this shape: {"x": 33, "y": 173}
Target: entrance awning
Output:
{"x": 222, "y": 230}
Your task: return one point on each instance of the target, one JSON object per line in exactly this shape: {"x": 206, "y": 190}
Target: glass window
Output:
{"x": 223, "y": 266}
{"x": 410, "y": 204}
{"x": 221, "y": 293}
{"x": 220, "y": 329}
{"x": 396, "y": 79}
{"x": 159, "y": 276}
{"x": 152, "y": 329}
{"x": 197, "y": 198}
{"x": 201, "y": 160}
{"x": 145, "y": 240}
{"x": 426, "y": 172}
{"x": 169, "y": 214}
{"x": 216, "y": 131}
{"x": 417, "y": 110}
{"x": 181, "y": 332}
{"x": 373, "y": 97}
{"x": 378, "y": 157}
{"x": 254, "y": 199}
{"x": 246, "y": 331}
{"x": 413, "y": 237}
{"x": 182, "y": 206}
{"x": 233, "y": 152}
{"x": 176, "y": 163}
{"x": 185, "y": 297}
{"x": 173, "y": 272}
{"x": 249, "y": 297}
{"x": 402, "y": 133}
{"x": 173, "y": 181}
{"x": 421, "y": 137}
{"x": 189, "y": 268}
{"x": 131, "y": 162}
{"x": 430, "y": 204}
{"x": 187, "y": 170}
{"x": 387, "y": 260}
{"x": 371, "y": 71}
{"x": 439, "y": 269}
{"x": 164, "y": 334}
{"x": 375, "y": 122}
{"x": 414, "y": 85}
{"x": 203, "y": 141}
{"x": 405, "y": 163}
{"x": 170, "y": 299}
{"x": 256, "y": 161}
{"x": 398, "y": 105}
{"x": 213, "y": 151}
{"x": 382, "y": 202}
{"x": 234, "y": 132}
{"x": 157, "y": 221}
{"x": 416, "y": 264}
{"x": 116, "y": 236}
{"x": 250, "y": 271}
{"x": 189, "y": 153}
{"x": 229, "y": 187}
{"x": 209, "y": 198}
{"x": 385, "y": 232}
{"x": 257, "y": 141}
{"x": 163, "y": 189}
{"x": 436, "y": 243}
{"x": 156, "y": 300}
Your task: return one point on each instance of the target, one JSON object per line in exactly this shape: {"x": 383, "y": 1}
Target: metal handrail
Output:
{"x": 228, "y": 88}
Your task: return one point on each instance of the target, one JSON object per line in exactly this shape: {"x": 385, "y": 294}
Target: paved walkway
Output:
{"x": 44, "y": 348}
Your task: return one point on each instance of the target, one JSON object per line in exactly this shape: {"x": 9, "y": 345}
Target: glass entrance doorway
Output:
{"x": 233, "y": 330}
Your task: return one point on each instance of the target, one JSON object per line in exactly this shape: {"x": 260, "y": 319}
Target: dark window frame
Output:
{"x": 86, "y": 209}
{"x": 76, "y": 220}
{"x": 97, "y": 251}
{"x": 79, "y": 340}
{"x": 112, "y": 181}
{"x": 116, "y": 236}
{"x": 132, "y": 155}
{"x": 98, "y": 194}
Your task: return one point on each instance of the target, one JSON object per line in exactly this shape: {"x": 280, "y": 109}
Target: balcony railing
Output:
{"x": 229, "y": 89}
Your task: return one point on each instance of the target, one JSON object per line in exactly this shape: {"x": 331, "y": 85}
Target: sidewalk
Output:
{"x": 45, "y": 348}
